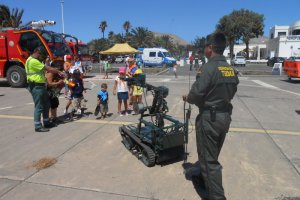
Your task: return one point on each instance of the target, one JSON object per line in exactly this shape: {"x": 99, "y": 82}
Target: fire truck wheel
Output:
{"x": 16, "y": 76}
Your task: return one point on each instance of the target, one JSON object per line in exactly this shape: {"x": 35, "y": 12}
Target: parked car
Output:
{"x": 119, "y": 59}
{"x": 239, "y": 61}
{"x": 273, "y": 60}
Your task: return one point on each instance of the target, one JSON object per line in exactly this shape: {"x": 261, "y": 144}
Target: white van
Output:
{"x": 157, "y": 57}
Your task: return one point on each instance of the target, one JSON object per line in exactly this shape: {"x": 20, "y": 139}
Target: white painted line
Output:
{"x": 265, "y": 84}
{"x": 273, "y": 87}
{"x": 295, "y": 93}
{"x": 246, "y": 85}
{"x": 29, "y": 103}
{"x": 6, "y": 108}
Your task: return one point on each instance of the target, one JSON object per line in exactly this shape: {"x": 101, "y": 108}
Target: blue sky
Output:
{"x": 184, "y": 18}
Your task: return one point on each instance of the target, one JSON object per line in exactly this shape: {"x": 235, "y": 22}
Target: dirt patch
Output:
{"x": 44, "y": 163}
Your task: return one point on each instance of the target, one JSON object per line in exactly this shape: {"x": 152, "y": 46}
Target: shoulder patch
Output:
{"x": 226, "y": 71}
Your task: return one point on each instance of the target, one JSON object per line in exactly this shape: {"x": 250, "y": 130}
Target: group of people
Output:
{"x": 124, "y": 92}
{"x": 46, "y": 80}
{"x": 212, "y": 92}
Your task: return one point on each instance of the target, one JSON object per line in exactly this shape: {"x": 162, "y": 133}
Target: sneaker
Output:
{"x": 78, "y": 112}
{"x": 120, "y": 113}
{"x": 50, "y": 125}
{"x": 65, "y": 112}
{"x": 126, "y": 113}
{"x": 42, "y": 129}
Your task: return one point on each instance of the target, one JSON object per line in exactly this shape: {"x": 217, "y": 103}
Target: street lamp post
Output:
{"x": 62, "y": 16}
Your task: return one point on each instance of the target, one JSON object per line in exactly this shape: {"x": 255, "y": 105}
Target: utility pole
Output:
{"x": 62, "y": 16}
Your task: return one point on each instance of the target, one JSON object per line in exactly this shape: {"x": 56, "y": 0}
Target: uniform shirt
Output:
{"x": 215, "y": 85}
{"x": 35, "y": 70}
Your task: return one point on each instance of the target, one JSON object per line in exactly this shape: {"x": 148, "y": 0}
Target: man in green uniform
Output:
{"x": 215, "y": 86}
{"x": 35, "y": 71}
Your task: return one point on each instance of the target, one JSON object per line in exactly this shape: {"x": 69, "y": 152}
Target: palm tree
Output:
{"x": 103, "y": 26}
{"x": 142, "y": 37}
{"x": 127, "y": 26}
{"x": 10, "y": 19}
{"x": 167, "y": 42}
{"x": 16, "y": 17}
{"x": 111, "y": 36}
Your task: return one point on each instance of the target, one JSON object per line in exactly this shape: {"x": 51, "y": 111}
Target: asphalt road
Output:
{"x": 260, "y": 157}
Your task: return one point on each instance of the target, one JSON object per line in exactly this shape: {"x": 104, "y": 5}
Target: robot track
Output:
{"x": 137, "y": 147}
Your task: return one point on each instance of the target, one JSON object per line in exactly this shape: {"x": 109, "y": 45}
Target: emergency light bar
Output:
{"x": 43, "y": 23}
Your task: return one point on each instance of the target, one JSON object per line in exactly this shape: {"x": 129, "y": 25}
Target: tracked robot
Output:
{"x": 157, "y": 137}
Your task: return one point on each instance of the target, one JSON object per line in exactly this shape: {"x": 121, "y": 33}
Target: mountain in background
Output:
{"x": 176, "y": 39}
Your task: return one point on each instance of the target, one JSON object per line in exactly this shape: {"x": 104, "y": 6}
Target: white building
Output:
{"x": 284, "y": 41}
{"x": 257, "y": 48}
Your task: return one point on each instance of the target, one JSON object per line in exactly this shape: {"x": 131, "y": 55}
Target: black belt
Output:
{"x": 36, "y": 84}
{"x": 213, "y": 110}
{"x": 218, "y": 110}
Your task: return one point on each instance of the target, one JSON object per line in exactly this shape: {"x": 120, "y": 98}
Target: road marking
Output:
{"x": 246, "y": 85}
{"x": 29, "y": 103}
{"x": 265, "y": 84}
{"x": 6, "y": 108}
{"x": 238, "y": 130}
{"x": 295, "y": 93}
{"x": 273, "y": 87}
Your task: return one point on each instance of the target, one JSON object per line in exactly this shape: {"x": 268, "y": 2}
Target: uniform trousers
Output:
{"x": 41, "y": 104}
{"x": 210, "y": 136}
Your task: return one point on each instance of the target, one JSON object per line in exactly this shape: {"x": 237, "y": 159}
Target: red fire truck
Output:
{"x": 16, "y": 44}
{"x": 80, "y": 50}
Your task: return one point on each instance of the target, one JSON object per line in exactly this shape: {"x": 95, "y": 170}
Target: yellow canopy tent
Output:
{"x": 119, "y": 49}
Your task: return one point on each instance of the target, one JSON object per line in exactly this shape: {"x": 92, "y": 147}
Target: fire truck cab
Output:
{"x": 17, "y": 44}
{"x": 80, "y": 50}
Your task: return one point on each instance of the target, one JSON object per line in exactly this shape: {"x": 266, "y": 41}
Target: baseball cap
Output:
{"x": 68, "y": 56}
{"x": 122, "y": 69}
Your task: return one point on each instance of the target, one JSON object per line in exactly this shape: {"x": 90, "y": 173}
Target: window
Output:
{"x": 272, "y": 35}
{"x": 160, "y": 54}
{"x": 296, "y": 32}
{"x": 281, "y": 34}
{"x": 152, "y": 54}
{"x": 29, "y": 41}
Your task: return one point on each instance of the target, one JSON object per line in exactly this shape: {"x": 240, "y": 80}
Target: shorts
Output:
{"x": 54, "y": 102}
{"x": 137, "y": 90}
{"x": 77, "y": 102}
{"x": 104, "y": 108}
{"x": 122, "y": 95}
{"x": 69, "y": 95}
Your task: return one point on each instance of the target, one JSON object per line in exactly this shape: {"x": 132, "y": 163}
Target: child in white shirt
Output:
{"x": 121, "y": 89}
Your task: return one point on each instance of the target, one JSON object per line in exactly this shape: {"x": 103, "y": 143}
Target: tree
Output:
{"x": 251, "y": 26}
{"x": 167, "y": 42}
{"x": 199, "y": 44}
{"x": 10, "y": 19}
{"x": 229, "y": 26}
{"x": 141, "y": 37}
{"x": 98, "y": 45}
{"x": 111, "y": 36}
{"x": 127, "y": 26}
{"x": 102, "y": 27}
{"x": 241, "y": 24}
